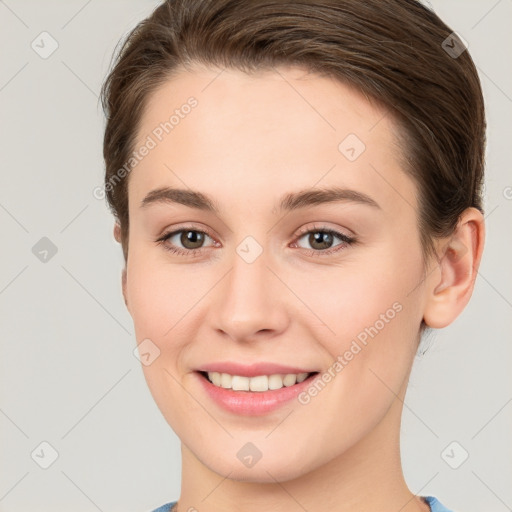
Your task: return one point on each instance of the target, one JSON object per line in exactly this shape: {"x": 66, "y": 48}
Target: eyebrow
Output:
{"x": 289, "y": 202}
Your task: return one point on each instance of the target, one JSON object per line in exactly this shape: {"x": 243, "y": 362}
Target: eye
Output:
{"x": 321, "y": 239}
{"x": 192, "y": 241}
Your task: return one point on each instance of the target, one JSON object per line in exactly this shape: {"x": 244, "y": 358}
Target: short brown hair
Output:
{"x": 396, "y": 52}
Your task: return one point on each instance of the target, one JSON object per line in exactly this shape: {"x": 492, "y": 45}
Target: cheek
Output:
{"x": 359, "y": 311}
{"x": 158, "y": 295}
{"x": 342, "y": 303}
{"x": 369, "y": 322}
{"x": 148, "y": 306}
{"x": 156, "y": 306}
{"x": 159, "y": 298}
{"x": 358, "y": 298}
{"x": 371, "y": 351}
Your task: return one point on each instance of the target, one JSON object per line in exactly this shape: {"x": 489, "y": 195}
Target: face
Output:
{"x": 273, "y": 268}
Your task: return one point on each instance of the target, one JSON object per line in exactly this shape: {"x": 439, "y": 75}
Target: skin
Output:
{"x": 250, "y": 140}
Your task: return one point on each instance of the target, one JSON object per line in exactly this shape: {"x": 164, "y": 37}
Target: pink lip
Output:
{"x": 251, "y": 370}
{"x": 253, "y": 403}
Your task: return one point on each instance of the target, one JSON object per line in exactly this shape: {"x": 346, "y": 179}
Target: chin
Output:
{"x": 279, "y": 468}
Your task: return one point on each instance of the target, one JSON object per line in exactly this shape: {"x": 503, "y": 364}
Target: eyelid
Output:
{"x": 319, "y": 226}
{"x": 190, "y": 227}
{"x": 323, "y": 227}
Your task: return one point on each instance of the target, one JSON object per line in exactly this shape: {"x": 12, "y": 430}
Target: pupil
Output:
{"x": 191, "y": 237}
{"x": 321, "y": 237}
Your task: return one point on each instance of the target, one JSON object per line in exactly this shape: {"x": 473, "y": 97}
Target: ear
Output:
{"x": 117, "y": 232}
{"x": 123, "y": 285}
{"x": 117, "y": 236}
{"x": 451, "y": 282}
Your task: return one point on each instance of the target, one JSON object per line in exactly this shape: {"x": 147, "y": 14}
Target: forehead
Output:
{"x": 287, "y": 100}
{"x": 275, "y": 128}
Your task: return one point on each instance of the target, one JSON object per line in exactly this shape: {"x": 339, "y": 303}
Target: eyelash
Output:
{"x": 346, "y": 241}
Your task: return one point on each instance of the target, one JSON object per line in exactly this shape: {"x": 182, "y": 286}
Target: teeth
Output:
{"x": 258, "y": 383}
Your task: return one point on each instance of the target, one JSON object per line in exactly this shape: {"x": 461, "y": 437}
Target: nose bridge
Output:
{"x": 248, "y": 283}
{"x": 249, "y": 301}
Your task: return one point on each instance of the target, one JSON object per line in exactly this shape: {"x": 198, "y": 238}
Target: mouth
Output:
{"x": 253, "y": 396}
{"x": 257, "y": 383}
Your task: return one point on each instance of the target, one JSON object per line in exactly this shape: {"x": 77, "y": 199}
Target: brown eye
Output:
{"x": 186, "y": 242}
{"x": 191, "y": 239}
{"x": 322, "y": 240}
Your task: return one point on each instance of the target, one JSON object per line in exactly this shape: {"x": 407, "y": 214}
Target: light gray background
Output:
{"x": 68, "y": 375}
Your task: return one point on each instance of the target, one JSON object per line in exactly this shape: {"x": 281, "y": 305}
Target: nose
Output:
{"x": 251, "y": 301}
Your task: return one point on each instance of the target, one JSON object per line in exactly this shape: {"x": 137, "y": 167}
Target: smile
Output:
{"x": 258, "y": 383}
{"x": 255, "y": 395}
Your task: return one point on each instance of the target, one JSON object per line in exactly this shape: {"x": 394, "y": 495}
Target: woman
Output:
{"x": 297, "y": 192}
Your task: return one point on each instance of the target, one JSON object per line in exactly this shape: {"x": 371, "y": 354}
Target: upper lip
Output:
{"x": 251, "y": 370}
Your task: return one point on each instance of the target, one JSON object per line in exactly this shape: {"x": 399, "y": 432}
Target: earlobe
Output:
{"x": 450, "y": 284}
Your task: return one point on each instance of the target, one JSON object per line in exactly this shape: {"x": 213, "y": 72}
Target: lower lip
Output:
{"x": 253, "y": 403}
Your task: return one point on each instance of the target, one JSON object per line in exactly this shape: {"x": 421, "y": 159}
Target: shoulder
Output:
{"x": 435, "y": 505}
{"x": 165, "y": 508}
